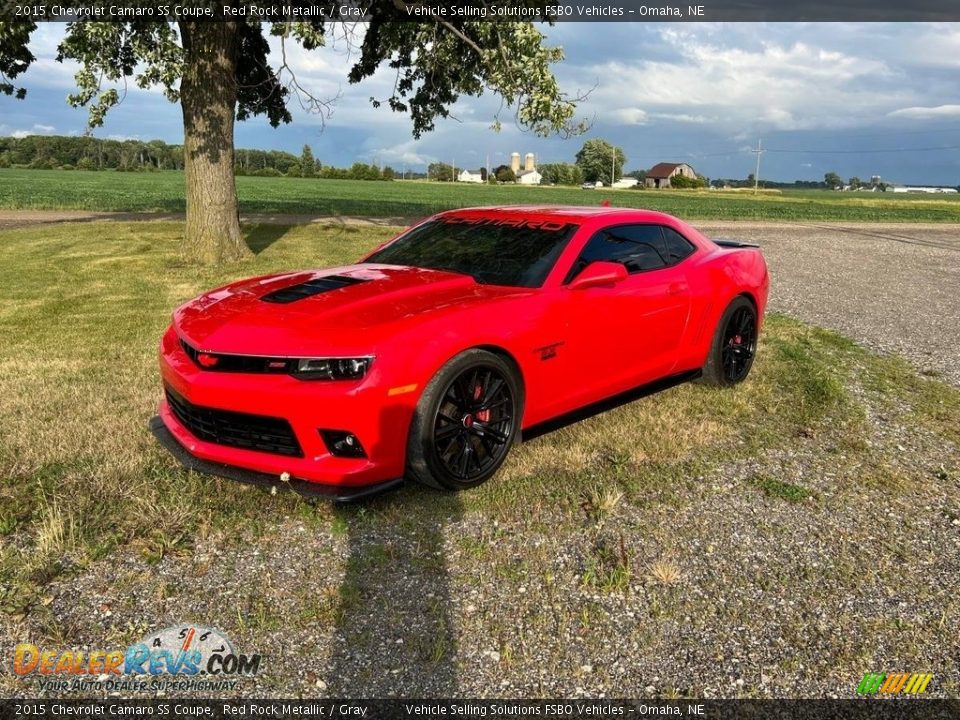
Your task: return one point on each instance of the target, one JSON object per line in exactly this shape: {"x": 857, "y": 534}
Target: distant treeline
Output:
{"x": 60, "y": 152}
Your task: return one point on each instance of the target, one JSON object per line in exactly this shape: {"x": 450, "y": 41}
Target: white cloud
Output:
{"x": 780, "y": 85}
{"x": 37, "y": 129}
{"x": 926, "y": 113}
{"x": 630, "y": 116}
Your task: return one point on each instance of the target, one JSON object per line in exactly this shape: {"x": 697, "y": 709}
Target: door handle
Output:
{"x": 676, "y": 288}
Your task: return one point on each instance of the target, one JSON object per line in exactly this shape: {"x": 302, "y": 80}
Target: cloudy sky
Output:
{"x": 870, "y": 99}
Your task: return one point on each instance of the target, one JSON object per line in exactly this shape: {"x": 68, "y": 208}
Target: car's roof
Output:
{"x": 570, "y": 213}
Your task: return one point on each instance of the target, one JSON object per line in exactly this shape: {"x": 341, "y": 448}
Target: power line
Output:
{"x": 865, "y": 151}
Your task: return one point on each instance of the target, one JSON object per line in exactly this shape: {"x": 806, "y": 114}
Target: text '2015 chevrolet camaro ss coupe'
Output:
{"x": 429, "y": 357}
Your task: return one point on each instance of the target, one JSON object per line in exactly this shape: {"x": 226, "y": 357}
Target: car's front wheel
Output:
{"x": 466, "y": 421}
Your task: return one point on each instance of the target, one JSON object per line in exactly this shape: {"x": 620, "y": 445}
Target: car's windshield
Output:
{"x": 494, "y": 251}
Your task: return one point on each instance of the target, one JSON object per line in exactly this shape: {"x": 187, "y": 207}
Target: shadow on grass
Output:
{"x": 260, "y": 237}
{"x": 394, "y": 635}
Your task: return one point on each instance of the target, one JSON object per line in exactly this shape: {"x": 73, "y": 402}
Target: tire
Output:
{"x": 466, "y": 421}
{"x": 734, "y": 345}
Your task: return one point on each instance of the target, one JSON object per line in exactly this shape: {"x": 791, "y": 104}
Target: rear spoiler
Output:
{"x": 723, "y": 242}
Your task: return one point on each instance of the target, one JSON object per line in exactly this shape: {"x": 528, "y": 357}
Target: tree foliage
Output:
{"x": 308, "y": 166}
{"x": 832, "y": 180}
{"x": 595, "y": 159}
{"x": 442, "y": 172}
{"x": 221, "y": 71}
{"x": 504, "y": 174}
{"x": 560, "y": 174}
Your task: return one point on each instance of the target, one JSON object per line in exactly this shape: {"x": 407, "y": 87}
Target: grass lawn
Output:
{"x": 145, "y": 192}
{"x": 82, "y": 308}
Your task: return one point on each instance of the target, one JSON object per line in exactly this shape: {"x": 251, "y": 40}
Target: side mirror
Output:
{"x": 599, "y": 273}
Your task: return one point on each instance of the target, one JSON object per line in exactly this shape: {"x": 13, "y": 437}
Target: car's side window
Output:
{"x": 677, "y": 246}
{"x": 636, "y": 247}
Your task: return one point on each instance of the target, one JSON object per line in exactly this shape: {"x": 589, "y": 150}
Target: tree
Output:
{"x": 219, "y": 72}
{"x": 560, "y": 174}
{"x": 504, "y": 174}
{"x": 441, "y": 172}
{"x": 308, "y": 166}
{"x": 855, "y": 183}
{"x": 594, "y": 161}
{"x": 832, "y": 181}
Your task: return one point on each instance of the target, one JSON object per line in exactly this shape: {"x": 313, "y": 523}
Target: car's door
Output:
{"x": 628, "y": 333}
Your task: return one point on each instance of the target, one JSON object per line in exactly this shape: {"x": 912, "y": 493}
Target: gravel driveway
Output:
{"x": 894, "y": 288}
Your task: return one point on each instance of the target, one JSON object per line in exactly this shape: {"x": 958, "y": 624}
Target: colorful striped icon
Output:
{"x": 894, "y": 683}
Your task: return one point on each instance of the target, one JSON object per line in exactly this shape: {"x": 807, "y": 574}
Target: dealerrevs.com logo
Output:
{"x": 182, "y": 657}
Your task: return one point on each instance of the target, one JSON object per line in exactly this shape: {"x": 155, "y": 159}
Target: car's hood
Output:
{"x": 340, "y": 310}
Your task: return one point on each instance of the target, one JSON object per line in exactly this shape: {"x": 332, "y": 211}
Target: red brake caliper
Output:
{"x": 482, "y": 415}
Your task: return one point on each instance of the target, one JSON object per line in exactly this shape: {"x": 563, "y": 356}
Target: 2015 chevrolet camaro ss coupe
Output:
{"x": 429, "y": 357}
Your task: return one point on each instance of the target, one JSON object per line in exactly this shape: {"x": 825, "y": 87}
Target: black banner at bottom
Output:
{"x": 327, "y": 709}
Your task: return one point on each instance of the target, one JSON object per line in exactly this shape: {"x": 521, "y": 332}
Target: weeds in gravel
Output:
{"x": 601, "y": 502}
{"x": 608, "y": 567}
{"x": 665, "y": 572}
{"x": 784, "y": 490}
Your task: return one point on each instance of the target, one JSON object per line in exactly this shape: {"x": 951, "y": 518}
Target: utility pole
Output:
{"x": 613, "y": 164}
{"x": 756, "y": 175}
{"x": 453, "y": 171}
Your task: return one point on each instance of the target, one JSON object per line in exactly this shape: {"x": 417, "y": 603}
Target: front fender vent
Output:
{"x": 310, "y": 288}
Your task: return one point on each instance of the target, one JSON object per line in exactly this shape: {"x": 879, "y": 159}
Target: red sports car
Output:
{"x": 429, "y": 357}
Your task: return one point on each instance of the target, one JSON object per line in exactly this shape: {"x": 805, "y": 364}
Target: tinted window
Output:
{"x": 637, "y": 247}
{"x": 495, "y": 251}
{"x": 677, "y": 246}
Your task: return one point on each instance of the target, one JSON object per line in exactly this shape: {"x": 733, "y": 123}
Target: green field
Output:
{"x": 163, "y": 192}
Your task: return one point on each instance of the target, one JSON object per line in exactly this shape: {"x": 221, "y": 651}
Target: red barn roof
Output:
{"x": 662, "y": 170}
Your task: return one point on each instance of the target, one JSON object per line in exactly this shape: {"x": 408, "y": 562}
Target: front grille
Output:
{"x": 241, "y": 363}
{"x": 242, "y": 430}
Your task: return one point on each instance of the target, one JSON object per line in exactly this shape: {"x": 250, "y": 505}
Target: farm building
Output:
{"x": 469, "y": 177}
{"x": 626, "y": 182}
{"x": 921, "y": 189}
{"x": 659, "y": 175}
{"x": 529, "y": 174}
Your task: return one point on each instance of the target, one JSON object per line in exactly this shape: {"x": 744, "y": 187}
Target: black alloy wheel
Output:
{"x": 466, "y": 421}
{"x": 474, "y": 423}
{"x": 739, "y": 344}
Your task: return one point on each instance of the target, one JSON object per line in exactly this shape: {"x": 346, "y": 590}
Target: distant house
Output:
{"x": 659, "y": 175}
{"x": 626, "y": 182}
{"x": 467, "y": 176}
{"x": 529, "y": 174}
{"x": 529, "y": 177}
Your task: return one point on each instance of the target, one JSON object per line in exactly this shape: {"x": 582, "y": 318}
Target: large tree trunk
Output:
{"x": 208, "y": 97}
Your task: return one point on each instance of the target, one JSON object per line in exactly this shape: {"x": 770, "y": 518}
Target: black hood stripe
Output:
{"x": 310, "y": 288}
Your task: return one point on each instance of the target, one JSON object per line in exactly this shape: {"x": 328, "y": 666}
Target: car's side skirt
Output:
{"x": 602, "y": 406}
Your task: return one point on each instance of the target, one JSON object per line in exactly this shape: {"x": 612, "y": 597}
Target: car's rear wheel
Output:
{"x": 466, "y": 421}
{"x": 734, "y": 345}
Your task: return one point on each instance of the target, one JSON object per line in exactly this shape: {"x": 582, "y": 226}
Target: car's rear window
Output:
{"x": 494, "y": 251}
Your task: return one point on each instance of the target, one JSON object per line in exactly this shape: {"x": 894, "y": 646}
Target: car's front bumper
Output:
{"x": 379, "y": 419}
{"x": 337, "y": 493}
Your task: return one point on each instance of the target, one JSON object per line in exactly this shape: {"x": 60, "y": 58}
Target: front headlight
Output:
{"x": 332, "y": 368}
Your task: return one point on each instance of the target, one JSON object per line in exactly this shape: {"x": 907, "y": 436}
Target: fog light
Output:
{"x": 342, "y": 443}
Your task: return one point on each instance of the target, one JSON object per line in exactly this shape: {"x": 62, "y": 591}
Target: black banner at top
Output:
{"x": 484, "y": 10}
